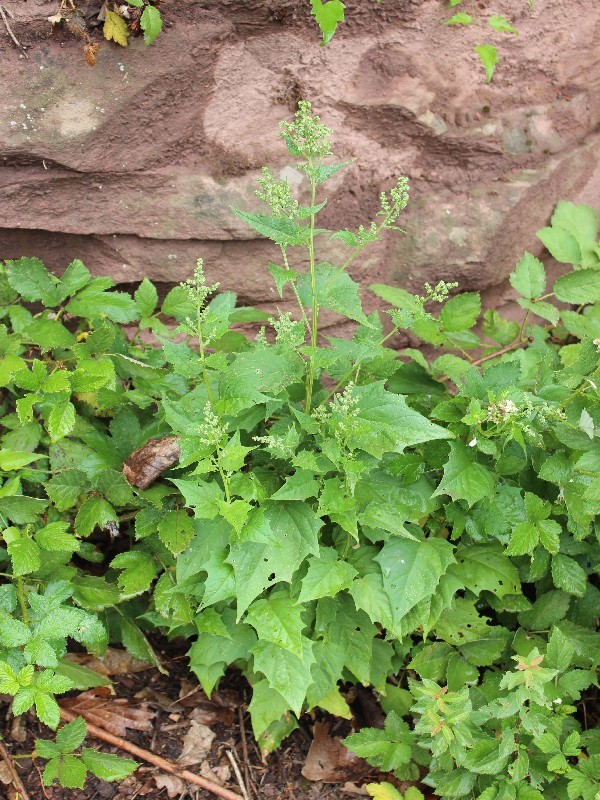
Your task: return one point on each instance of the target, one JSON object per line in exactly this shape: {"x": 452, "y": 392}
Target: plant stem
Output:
{"x": 202, "y": 362}
{"x": 295, "y": 288}
{"x": 314, "y": 332}
{"x": 22, "y": 596}
{"x": 224, "y": 477}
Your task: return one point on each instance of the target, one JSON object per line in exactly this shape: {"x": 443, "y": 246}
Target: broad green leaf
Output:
{"x": 139, "y": 570}
{"x": 137, "y": 644}
{"x": 151, "y": 23}
{"x": 177, "y": 304}
{"x": 385, "y": 423}
{"x": 325, "y": 171}
{"x": 107, "y": 766}
{"x": 335, "y": 290}
{"x": 281, "y": 230}
{"x": 541, "y": 309}
{"x": 71, "y": 735}
{"x": 460, "y": 18}
{"x": 523, "y": 539}
{"x": 256, "y": 376}
{"x": 281, "y": 276}
{"x": 568, "y": 575}
{"x": 74, "y": 278}
{"x": 411, "y": 571}
{"x": 386, "y": 749}
{"x": 266, "y": 706}
{"x": 11, "y": 460}
{"x": 30, "y": 278}
{"x": 464, "y": 478}
{"x": 559, "y": 652}
{"x": 529, "y": 277}
{"x": 278, "y": 619}
{"x": 580, "y": 287}
{"x": 71, "y": 772}
{"x": 176, "y": 530}
{"x": 202, "y": 497}
{"x": 95, "y": 511}
{"x": 328, "y": 13}
{"x": 61, "y": 420}
{"x": 9, "y": 683}
{"x": 461, "y": 312}
{"x": 21, "y": 509}
{"x": 299, "y": 486}
{"x": 96, "y": 304}
{"x": 288, "y": 674}
{"x": 25, "y": 554}
{"x": 582, "y": 222}
{"x": 561, "y": 244}
{"x": 146, "y": 295}
{"x": 288, "y": 534}
{"x": 327, "y": 575}
{"x": 81, "y": 677}
{"x": 501, "y": 24}
{"x": 65, "y": 488}
{"x": 47, "y": 709}
{"x": 484, "y": 567}
{"x": 49, "y": 334}
{"x": 489, "y": 756}
{"x": 489, "y": 58}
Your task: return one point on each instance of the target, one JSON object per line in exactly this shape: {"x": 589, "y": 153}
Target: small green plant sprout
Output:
{"x": 70, "y": 768}
{"x": 328, "y": 14}
{"x": 489, "y": 58}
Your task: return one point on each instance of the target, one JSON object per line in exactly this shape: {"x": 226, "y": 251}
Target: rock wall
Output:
{"x": 132, "y": 165}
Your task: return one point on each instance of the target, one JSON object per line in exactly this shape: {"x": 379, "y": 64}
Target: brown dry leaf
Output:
{"x": 328, "y": 760}
{"x": 148, "y": 462}
{"x": 353, "y": 788}
{"x": 113, "y": 662}
{"x": 18, "y": 731}
{"x": 219, "y": 774}
{"x": 175, "y": 786}
{"x": 114, "y": 715}
{"x": 196, "y": 744}
{"x": 5, "y": 776}
{"x": 159, "y": 699}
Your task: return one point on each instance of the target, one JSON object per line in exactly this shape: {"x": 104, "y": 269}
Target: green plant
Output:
{"x": 337, "y": 513}
{"x": 119, "y": 22}
{"x": 487, "y": 52}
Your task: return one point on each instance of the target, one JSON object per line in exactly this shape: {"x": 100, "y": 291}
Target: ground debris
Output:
{"x": 148, "y": 462}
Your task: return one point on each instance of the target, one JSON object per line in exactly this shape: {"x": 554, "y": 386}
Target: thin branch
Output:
{"x": 238, "y": 774}
{"x": 496, "y": 353}
{"x": 247, "y": 774}
{"x": 152, "y": 758}
{"x": 14, "y": 775}
{"x": 5, "y": 13}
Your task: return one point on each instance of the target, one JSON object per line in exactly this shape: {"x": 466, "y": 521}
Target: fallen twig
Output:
{"x": 152, "y": 758}
{"x": 5, "y": 13}
{"x": 14, "y": 775}
{"x": 238, "y": 774}
{"x": 247, "y": 774}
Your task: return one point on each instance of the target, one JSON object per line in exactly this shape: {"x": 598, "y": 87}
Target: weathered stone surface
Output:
{"x": 133, "y": 165}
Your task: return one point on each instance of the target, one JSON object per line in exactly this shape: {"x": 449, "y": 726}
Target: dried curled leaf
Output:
{"x": 148, "y": 462}
{"x": 113, "y": 662}
{"x": 115, "y": 28}
{"x": 90, "y": 51}
{"x": 113, "y": 715}
{"x": 328, "y": 760}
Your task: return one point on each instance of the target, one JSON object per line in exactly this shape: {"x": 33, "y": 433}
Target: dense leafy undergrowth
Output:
{"x": 337, "y": 513}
